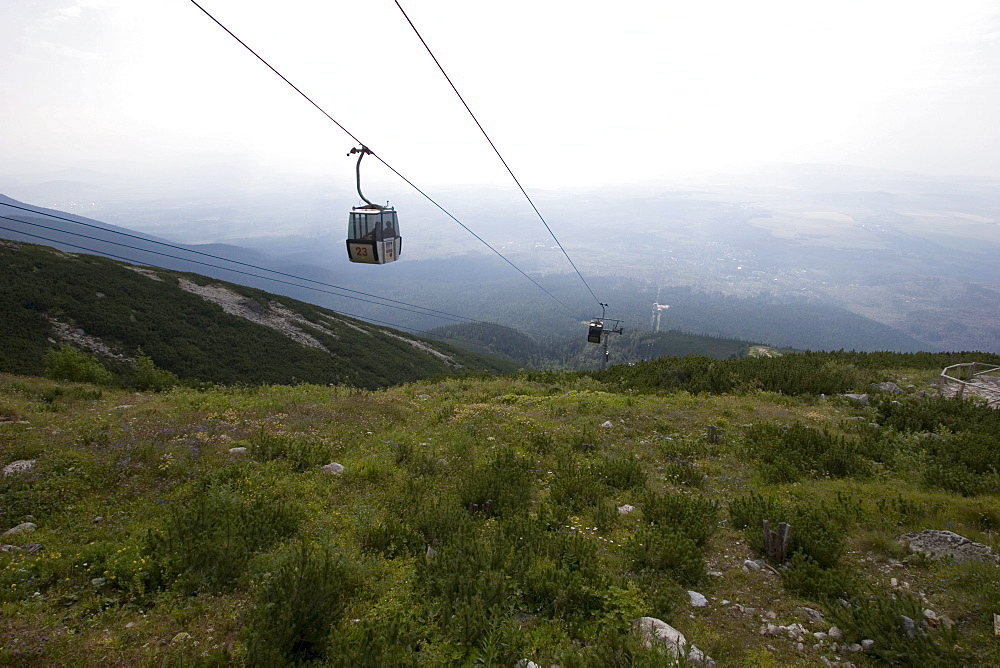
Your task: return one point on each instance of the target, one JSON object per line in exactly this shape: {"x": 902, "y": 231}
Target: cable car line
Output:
{"x": 430, "y": 311}
{"x": 214, "y": 266}
{"x": 377, "y": 157}
{"x": 424, "y": 312}
{"x": 364, "y": 319}
{"x": 496, "y": 150}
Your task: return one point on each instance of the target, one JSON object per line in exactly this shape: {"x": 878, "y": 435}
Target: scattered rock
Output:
{"x": 908, "y": 626}
{"x": 947, "y": 621}
{"x": 238, "y": 452}
{"x": 423, "y": 397}
{"x": 20, "y": 466}
{"x": 859, "y": 399}
{"x": 655, "y": 630}
{"x": 751, "y": 565}
{"x": 652, "y": 629}
{"x": 697, "y": 600}
{"x": 333, "y": 468}
{"x": 835, "y": 633}
{"x": 606, "y": 424}
{"x": 430, "y": 553}
{"x": 887, "y": 387}
{"x": 97, "y": 519}
{"x": 130, "y": 625}
{"x": 937, "y": 544}
{"x": 23, "y": 527}
{"x": 525, "y": 663}
{"x": 855, "y": 647}
{"x": 815, "y": 616}
{"x": 820, "y": 635}
{"x": 181, "y": 637}
{"x": 867, "y": 644}
{"x": 931, "y": 617}
{"x": 996, "y": 625}
{"x": 31, "y": 548}
{"x": 97, "y": 582}
{"x": 625, "y": 509}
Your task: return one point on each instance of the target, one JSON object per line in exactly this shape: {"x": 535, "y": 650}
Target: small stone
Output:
{"x": 526, "y": 663}
{"x": 697, "y": 600}
{"x": 333, "y": 468}
{"x": 130, "y": 625}
{"x": 815, "y": 616}
{"x": 835, "y": 633}
{"x": 181, "y": 637}
{"x": 931, "y": 617}
{"x": 772, "y": 630}
{"x": 867, "y": 644}
{"x": 239, "y": 451}
{"x": 606, "y": 424}
{"x": 859, "y": 399}
{"x": 947, "y": 621}
{"x": 996, "y": 625}
{"x": 23, "y": 527}
{"x": 908, "y": 625}
{"x": 772, "y": 615}
{"x": 714, "y": 574}
{"x": 430, "y": 553}
{"x": 751, "y": 565}
{"x": 893, "y": 582}
{"x": 855, "y": 647}
{"x": 625, "y": 509}
{"x": 799, "y": 646}
{"x": 724, "y": 602}
{"x": 819, "y": 635}
{"x": 97, "y": 582}
{"x": 20, "y": 466}
{"x": 97, "y": 519}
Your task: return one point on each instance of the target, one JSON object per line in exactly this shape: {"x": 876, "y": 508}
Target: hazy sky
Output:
{"x": 577, "y": 92}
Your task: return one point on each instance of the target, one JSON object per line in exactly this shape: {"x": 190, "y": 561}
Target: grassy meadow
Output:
{"x": 476, "y": 520}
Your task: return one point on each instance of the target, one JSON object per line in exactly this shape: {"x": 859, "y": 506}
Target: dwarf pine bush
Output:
{"x": 296, "y": 605}
{"x": 68, "y": 363}
{"x": 880, "y": 617}
{"x": 694, "y": 516}
{"x": 208, "y": 538}
{"x": 663, "y": 548}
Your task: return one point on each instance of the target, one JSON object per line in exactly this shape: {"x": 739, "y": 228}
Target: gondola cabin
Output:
{"x": 373, "y": 235}
{"x": 595, "y": 332}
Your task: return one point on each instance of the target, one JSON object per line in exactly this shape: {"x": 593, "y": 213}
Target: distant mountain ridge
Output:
{"x": 198, "y": 327}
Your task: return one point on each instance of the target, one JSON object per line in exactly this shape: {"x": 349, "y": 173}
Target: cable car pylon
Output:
{"x": 599, "y": 330}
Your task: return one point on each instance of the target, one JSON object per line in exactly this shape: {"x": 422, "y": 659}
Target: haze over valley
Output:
{"x": 911, "y": 252}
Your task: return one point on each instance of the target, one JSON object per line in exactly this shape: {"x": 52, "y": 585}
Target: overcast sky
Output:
{"x": 573, "y": 92}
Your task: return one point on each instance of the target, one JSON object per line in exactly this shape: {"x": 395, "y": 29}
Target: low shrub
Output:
{"x": 68, "y": 363}
{"x": 880, "y": 617}
{"x": 694, "y": 516}
{"x": 209, "y": 536}
{"x": 297, "y": 603}
{"x": 667, "y": 549}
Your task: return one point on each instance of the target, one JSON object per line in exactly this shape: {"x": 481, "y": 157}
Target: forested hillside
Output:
{"x": 198, "y": 328}
{"x": 551, "y": 352}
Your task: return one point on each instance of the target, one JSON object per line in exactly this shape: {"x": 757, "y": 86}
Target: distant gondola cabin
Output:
{"x": 595, "y": 332}
{"x": 373, "y": 235}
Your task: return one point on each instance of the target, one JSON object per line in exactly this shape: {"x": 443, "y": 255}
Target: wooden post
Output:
{"x": 776, "y": 542}
{"x": 713, "y": 434}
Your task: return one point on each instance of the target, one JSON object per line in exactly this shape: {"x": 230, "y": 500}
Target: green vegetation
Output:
{"x": 477, "y": 520}
{"x": 155, "y": 332}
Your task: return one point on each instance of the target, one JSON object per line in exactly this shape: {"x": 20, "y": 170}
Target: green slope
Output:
{"x": 46, "y": 293}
